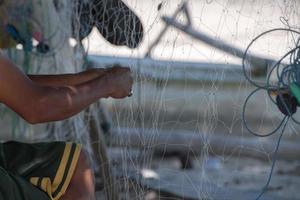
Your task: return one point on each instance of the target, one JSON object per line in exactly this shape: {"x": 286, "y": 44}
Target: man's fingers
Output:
{"x": 121, "y": 81}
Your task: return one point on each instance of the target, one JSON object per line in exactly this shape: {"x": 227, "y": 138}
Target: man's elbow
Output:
{"x": 42, "y": 113}
{"x": 47, "y": 108}
{"x": 35, "y": 114}
{"x": 32, "y": 118}
{"x": 32, "y": 121}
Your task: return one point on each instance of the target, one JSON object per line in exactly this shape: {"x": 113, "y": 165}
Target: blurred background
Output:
{"x": 181, "y": 135}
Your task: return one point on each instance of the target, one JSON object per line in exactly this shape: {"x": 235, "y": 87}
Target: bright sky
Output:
{"x": 236, "y": 23}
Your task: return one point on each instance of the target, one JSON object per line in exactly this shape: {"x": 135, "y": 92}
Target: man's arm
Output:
{"x": 39, "y": 103}
{"x": 67, "y": 79}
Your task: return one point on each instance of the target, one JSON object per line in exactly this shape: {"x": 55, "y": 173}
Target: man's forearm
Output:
{"x": 67, "y": 79}
{"x": 38, "y": 103}
{"x": 57, "y": 103}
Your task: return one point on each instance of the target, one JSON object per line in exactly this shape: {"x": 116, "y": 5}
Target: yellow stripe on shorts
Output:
{"x": 66, "y": 175}
{"x": 62, "y": 167}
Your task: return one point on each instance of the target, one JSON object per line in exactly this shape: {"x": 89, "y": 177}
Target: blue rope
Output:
{"x": 286, "y": 75}
{"x": 273, "y": 162}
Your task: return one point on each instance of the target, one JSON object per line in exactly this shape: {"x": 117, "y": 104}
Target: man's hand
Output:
{"x": 120, "y": 81}
{"x": 47, "y": 98}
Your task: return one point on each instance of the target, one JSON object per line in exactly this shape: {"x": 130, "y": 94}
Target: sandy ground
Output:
{"x": 193, "y": 112}
{"x": 242, "y": 174}
{"x": 175, "y": 111}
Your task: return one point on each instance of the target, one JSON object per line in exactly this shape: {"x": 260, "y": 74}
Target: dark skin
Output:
{"x": 67, "y": 79}
{"x": 45, "y": 98}
{"x": 48, "y": 98}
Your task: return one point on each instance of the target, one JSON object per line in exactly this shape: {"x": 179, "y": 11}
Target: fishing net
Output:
{"x": 183, "y": 128}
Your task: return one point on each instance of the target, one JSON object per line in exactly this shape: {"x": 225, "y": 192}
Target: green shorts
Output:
{"x": 39, "y": 171}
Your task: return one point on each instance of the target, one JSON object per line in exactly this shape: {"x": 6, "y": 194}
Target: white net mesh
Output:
{"x": 188, "y": 96}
